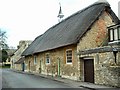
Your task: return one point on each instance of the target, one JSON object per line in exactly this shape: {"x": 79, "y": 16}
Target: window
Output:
{"x": 35, "y": 60}
{"x": 119, "y": 33}
{"x": 111, "y": 35}
{"x": 47, "y": 59}
{"x": 114, "y": 34}
{"x": 69, "y": 56}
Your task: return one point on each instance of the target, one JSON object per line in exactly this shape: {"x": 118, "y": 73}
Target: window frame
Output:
{"x": 111, "y": 35}
{"x": 35, "y": 60}
{"x": 47, "y": 57}
{"x": 69, "y": 56}
{"x": 115, "y": 34}
{"x": 118, "y": 33}
{"x": 112, "y": 32}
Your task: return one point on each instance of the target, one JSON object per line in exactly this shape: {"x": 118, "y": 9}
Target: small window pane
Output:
{"x": 69, "y": 56}
{"x": 69, "y": 61}
{"x": 115, "y": 34}
{"x": 119, "y": 32}
{"x": 35, "y": 59}
{"x": 111, "y": 35}
{"x": 47, "y": 59}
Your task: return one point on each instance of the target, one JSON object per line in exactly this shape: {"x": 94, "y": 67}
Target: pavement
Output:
{"x": 73, "y": 83}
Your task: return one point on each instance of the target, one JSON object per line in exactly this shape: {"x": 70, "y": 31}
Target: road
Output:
{"x": 11, "y": 79}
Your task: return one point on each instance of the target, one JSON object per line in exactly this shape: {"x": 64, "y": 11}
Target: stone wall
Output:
{"x": 97, "y": 35}
{"x": 17, "y": 55}
{"x": 18, "y": 67}
{"x": 66, "y": 70}
{"x": 104, "y": 70}
{"x": 28, "y": 63}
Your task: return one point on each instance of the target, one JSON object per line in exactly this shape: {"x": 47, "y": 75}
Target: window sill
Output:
{"x": 69, "y": 63}
{"x": 114, "y": 42}
{"x": 47, "y": 63}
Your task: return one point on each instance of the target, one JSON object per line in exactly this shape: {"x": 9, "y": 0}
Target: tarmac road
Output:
{"x": 11, "y": 79}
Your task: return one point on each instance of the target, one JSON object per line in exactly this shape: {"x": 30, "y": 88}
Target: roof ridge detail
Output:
{"x": 80, "y": 11}
{"x": 68, "y": 31}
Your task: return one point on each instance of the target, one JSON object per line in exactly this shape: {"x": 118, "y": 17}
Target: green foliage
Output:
{"x": 4, "y": 55}
{"x": 3, "y": 38}
{"x": 4, "y": 66}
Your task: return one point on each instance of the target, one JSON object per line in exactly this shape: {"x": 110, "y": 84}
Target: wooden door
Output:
{"x": 89, "y": 70}
{"x": 23, "y": 66}
{"x": 40, "y": 68}
{"x": 29, "y": 66}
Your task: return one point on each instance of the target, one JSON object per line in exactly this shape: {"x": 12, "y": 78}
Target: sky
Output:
{"x": 27, "y": 19}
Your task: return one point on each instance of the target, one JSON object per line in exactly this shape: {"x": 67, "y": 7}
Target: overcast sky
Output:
{"x": 26, "y": 19}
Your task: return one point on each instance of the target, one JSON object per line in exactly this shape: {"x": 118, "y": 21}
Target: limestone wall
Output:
{"x": 98, "y": 35}
{"x": 104, "y": 70}
{"x": 17, "y": 55}
{"x": 57, "y": 55}
{"x": 18, "y": 67}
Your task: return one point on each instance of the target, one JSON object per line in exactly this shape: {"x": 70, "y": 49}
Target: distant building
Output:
{"x": 23, "y": 44}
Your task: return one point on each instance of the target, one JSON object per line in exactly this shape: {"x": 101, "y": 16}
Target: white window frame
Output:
{"x": 118, "y": 33}
{"x": 47, "y": 57}
{"x": 35, "y": 60}
{"x": 111, "y": 35}
{"x": 114, "y": 34}
{"x": 67, "y": 56}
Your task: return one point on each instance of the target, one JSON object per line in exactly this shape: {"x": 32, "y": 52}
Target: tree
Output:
{"x": 3, "y": 38}
{"x": 3, "y": 46}
{"x": 4, "y": 55}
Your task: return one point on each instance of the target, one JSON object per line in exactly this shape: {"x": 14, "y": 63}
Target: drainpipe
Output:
{"x": 115, "y": 54}
{"x": 58, "y": 67}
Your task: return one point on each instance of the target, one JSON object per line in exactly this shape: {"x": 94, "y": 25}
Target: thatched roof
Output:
{"x": 70, "y": 30}
{"x": 20, "y": 61}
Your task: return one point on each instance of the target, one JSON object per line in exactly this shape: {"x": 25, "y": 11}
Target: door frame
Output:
{"x": 81, "y": 59}
{"x": 93, "y": 77}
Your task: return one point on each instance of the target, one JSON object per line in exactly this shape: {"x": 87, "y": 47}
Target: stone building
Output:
{"x": 16, "y": 62}
{"x": 77, "y": 48}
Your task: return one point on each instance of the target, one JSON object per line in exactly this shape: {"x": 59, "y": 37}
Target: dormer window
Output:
{"x": 114, "y": 34}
